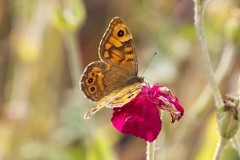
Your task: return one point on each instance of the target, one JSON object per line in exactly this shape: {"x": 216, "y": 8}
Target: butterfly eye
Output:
{"x": 92, "y": 89}
{"x": 90, "y": 80}
{"x": 120, "y": 33}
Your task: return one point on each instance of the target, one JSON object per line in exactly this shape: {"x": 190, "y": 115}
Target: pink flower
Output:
{"x": 141, "y": 118}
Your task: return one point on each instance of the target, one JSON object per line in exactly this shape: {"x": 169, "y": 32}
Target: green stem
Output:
{"x": 201, "y": 104}
{"x": 199, "y": 12}
{"x": 150, "y": 150}
{"x": 219, "y": 149}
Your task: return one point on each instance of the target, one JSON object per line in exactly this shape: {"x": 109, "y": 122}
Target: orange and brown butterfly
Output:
{"x": 113, "y": 80}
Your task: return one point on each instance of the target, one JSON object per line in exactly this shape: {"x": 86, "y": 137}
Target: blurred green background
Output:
{"x": 45, "y": 45}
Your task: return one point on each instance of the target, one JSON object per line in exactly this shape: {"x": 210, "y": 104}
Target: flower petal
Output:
{"x": 139, "y": 117}
{"x": 167, "y": 101}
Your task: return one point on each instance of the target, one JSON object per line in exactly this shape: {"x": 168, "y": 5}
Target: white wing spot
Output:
{"x": 128, "y": 118}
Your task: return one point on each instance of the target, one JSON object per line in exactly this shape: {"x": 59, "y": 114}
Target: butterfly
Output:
{"x": 113, "y": 80}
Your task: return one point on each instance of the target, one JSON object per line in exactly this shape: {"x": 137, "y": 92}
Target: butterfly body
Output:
{"x": 112, "y": 81}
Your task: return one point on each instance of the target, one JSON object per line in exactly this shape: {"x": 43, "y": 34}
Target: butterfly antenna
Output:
{"x": 148, "y": 63}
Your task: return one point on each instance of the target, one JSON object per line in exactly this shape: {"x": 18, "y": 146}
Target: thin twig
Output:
{"x": 199, "y": 12}
{"x": 200, "y": 105}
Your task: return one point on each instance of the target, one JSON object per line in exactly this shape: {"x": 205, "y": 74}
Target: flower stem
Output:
{"x": 150, "y": 150}
{"x": 199, "y": 12}
{"x": 220, "y": 148}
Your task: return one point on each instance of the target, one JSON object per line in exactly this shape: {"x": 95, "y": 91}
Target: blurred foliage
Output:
{"x": 44, "y": 46}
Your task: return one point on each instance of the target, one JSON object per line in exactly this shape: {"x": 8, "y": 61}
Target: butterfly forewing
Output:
{"x": 113, "y": 81}
{"x": 117, "y": 47}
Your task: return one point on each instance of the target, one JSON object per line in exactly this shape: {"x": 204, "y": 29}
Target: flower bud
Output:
{"x": 228, "y": 119}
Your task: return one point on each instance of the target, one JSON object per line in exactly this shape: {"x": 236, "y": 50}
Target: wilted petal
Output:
{"x": 167, "y": 101}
